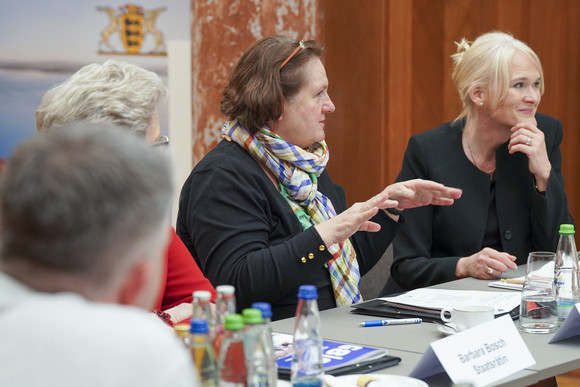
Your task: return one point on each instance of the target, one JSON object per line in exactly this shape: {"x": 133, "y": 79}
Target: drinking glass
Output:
{"x": 538, "y": 313}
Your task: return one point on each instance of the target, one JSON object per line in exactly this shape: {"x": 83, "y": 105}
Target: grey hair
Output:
{"x": 114, "y": 92}
{"x": 77, "y": 200}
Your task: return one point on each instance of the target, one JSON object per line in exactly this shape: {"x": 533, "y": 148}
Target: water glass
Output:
{"x": 538, "y": 313}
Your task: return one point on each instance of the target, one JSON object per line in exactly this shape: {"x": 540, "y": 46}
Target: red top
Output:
{"x": 182, "y": 276}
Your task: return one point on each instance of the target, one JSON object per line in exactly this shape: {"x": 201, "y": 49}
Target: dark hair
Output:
{"x": 257, "y": 86}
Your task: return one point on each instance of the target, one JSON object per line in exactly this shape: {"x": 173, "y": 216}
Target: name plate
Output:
{"x": 570, "y": 327}
{"x": 479, "y": 356}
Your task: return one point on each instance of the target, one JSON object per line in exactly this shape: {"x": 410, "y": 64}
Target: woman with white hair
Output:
{"x": 128, "y": 96}
{"x": 506, "y": 158}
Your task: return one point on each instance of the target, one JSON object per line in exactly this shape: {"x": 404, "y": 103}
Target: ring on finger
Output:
{"x": 529, "y": 140}
{"x": 489, "y": 271}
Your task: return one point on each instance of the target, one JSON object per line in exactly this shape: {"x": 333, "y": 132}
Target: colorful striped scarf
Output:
{"x": 297, "y": 171}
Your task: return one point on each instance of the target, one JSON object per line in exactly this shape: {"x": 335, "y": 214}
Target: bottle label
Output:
{"x": 308, "y": 383}
{"x": 564, "y": 308}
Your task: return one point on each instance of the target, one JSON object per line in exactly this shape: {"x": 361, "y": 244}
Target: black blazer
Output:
{"x": 242, "y": 232}
{"x": 427, "y": 249}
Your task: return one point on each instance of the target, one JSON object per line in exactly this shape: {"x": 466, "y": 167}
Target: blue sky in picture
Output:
{"x": 45, "y": 41}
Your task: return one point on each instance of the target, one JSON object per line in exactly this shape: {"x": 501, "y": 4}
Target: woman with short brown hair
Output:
{"x": 260, "y": 211}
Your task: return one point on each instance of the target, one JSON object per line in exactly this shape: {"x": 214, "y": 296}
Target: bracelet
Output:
{"x": 393, "y": 211}
{"x": 165, "y": 317}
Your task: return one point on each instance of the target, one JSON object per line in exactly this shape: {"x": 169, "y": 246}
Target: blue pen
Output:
{"x": 379, "y": 323}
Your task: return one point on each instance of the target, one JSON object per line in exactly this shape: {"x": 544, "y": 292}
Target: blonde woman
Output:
{"x": 506, "y": 158}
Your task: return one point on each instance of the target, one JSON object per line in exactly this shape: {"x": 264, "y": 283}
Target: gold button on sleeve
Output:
{"x": 303, "y": 259}
{"x": 310, "y": 256}
{"x": 321, "y": 248}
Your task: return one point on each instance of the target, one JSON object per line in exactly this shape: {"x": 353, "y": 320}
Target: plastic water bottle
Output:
{"x": 232, "y": 361}
{"x": 307, "y": 368}
{"x": 202, "y": 352}
{"x": 225, "y": 305}
{"x": 201, "y": 309}
{"x": 266, "y": 310}
{"x": 256, "y": 358}
{"x": 566, "y": 272}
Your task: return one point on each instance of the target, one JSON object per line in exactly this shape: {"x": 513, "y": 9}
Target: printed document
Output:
{"x": 433, "y": 300}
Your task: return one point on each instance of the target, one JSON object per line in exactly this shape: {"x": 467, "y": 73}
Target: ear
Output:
{"x": 273, "y": 125}
{"x": 478, "y": 96}
{"x": 135, "y": 287}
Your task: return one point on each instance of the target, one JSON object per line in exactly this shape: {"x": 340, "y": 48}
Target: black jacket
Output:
{"x": 242, "y": 232}
{"x": 427, "y": 249}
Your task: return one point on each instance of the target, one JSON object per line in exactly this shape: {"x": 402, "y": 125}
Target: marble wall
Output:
{"x": 221, "y": 31}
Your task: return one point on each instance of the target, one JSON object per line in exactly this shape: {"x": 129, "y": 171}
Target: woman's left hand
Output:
{"x": 528, "y": 139}
{"x": 355, "y": 218}
{"x": 419, "y": 192}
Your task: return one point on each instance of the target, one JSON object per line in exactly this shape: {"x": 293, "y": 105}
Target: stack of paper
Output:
{"x": 510, "y": 283}
{"x": 433, "y": 300}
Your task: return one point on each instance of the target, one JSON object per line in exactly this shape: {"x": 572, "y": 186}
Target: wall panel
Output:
{"x": 415, "y": 91}
{"x": 356, "y": 69}
{"x": 220, "y": 32}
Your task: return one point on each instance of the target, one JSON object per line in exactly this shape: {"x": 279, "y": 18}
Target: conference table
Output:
{"x": 409, "y": 342}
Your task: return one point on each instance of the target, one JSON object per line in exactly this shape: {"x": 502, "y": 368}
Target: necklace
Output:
{"x": 473, "y": 157}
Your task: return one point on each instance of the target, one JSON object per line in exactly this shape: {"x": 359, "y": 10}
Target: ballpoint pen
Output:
{"x": 378, "y": 323}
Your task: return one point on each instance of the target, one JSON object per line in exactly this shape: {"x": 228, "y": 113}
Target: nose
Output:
{"x": 532, "y": 95}
{"x": 328, "y": 106}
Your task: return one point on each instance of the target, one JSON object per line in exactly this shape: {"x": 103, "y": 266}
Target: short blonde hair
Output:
{"x": 114, "y": 92}
{"x": 486, "y": 63}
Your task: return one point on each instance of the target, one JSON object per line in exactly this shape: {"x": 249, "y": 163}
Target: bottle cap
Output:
{"x": 307, "y": 292}
{"x": 198, "y": 325}
{"x": 182, "y": 330}
{"x": 234, "y": 322}
{"x": 252, "y": 316}
{"x": 567, "y": 229}
{"x": 226, "y": 290}
{"x": 202, "y": 295}
{"x": 264, "y": 307}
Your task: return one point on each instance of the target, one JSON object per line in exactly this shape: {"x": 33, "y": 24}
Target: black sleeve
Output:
{"x": 413, "y": 265}
{"x": 550, "y": 209}
{"x": 239, "y": 238}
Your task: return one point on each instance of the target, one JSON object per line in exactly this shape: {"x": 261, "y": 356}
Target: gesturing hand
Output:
{"x": 419, "y": 192}
{"x": 356, "y": 218}
{"x": 407, "y": 194}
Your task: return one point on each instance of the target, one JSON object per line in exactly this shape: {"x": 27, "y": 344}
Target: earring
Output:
{"x": 481, "y": 103}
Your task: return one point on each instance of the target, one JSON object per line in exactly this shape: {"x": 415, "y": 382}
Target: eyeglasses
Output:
{"x": 300, "y": 45}
{"x": 161, "y": 141}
